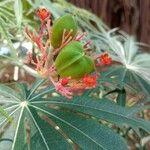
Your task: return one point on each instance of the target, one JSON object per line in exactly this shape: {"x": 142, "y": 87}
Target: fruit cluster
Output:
{"x": 63, "y": 56}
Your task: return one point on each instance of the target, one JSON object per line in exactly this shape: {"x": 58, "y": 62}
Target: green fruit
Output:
{"x": 66, "y": 22}
{"x": 72, "y": 61}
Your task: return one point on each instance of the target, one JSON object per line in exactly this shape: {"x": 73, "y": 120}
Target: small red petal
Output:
{"x": 64, "y": 81}
{"x": 89, "y": 81}
{"x": 43, "y": 13}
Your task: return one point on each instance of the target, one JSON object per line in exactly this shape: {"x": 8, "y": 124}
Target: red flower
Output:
{"x": 89, "y": 81}
{"x": 43, "y": 13}
{"x": 64, "y": 81}
{"x": 104, "y": 59}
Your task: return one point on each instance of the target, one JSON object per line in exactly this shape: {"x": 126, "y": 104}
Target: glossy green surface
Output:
{"x": 73, "y": 62}
{"x": 66, "y": 22}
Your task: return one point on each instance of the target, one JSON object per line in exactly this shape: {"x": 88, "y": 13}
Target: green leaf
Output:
{"x": 121, "y": 98}
{"x": 86, "y": 133}
{"x": 35, "y": 85}
{"x": 41, "y": 93}
{"x": 29, "y": 125}
{"x": 103, "y": 109}
{"x": 18, "y": 12}
{"x": 9, "y": 92}
{"x": 124, "y": 77}
{"x": 39, "y": 126}
{"x": 48, "y": 137}
{"x": 23, "y": 90}
{"x": 125, "y": 50}
{"x": 5, "y": 114}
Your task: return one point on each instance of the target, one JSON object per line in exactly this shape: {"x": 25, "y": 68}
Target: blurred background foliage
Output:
{"x": 129, "y": 15}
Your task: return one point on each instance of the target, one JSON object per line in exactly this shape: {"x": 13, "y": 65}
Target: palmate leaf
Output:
{"x": 27, "y": 123}
{"x": 39, "y": 126}
{"x": 135, "y": 70}
{"x": 124, "y": 77}
{"x": 103, "y": 109}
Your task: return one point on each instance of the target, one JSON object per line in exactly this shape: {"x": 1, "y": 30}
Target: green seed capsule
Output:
{"x": 73, "y": 62}
{"x": 66, "y": 22}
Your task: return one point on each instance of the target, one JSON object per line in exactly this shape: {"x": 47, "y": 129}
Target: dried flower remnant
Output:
{"x": 62, "y": 55}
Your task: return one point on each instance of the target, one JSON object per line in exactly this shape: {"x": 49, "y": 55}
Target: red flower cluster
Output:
{"x": 43, "y": 13}
{"x": 90, "y": 81}
{"x": 104, "y": 59}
